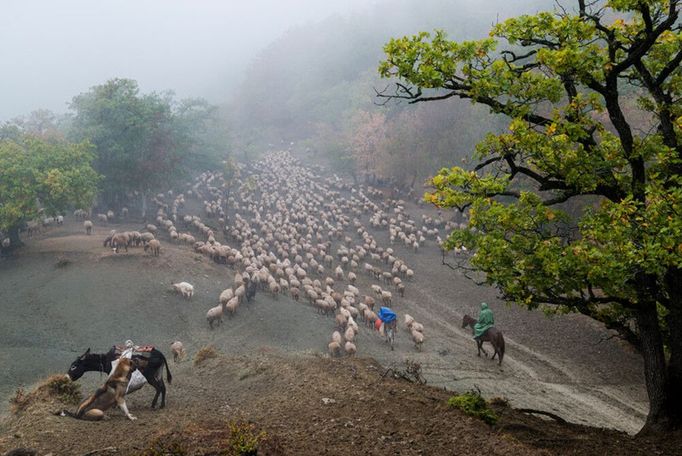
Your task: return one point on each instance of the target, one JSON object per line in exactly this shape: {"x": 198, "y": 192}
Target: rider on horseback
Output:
{"x": 485, "y": 321}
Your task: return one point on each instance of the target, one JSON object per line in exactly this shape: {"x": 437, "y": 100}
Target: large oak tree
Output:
{"x": 565, "y": 78}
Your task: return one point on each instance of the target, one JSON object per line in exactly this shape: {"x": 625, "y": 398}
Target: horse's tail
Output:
{"x": 169, "y": 377}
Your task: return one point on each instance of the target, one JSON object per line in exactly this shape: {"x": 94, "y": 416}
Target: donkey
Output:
{"x": 148, "y": 359}
{"x": 492, "y": 335}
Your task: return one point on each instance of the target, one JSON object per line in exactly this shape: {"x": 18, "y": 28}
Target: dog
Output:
{"x": 111, "y": 393}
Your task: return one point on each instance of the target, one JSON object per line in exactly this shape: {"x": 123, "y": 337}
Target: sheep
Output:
{"x": 240, "y": 292}
{"x": 60, "y": 220}
{"x": 231, "y": 306}
{"x": 341, "y": 320}
{"x": 152, "y": 228}
{"x": 146, "y": 237}
{"x": 119, "y": 240}
{"x": 295, "y": 293}
{"x": 417, "y": 338}
{"x": 6, "y": 243}
{"x": 102, "y": 217}
{"x": 401, "y": 290}
{"x": 336, "y": 337}
{"x": 153, "y": 246}
{"x": 334, "y": 348}
{"x": 178, "y": 351}
{"x": 386, "y": 297}
{"x": 184, "y": 288}
{"x": 369, "y": 302}
{"x": 408, "y": 321}
{"x": 226, "y": 295}
{"x": 338, "y": 272}
{"x": 349, "y": 335}
{"x": 352, "y": 277}
{"x": 350, "y": 348}
{"x": 215, "y": 314}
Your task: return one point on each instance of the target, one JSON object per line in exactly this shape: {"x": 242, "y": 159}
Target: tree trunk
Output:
{"x": 14, "y": 239}
{"x": 673, "y": 282}
{"x": 144, "y": 204}
{"x": 655, "y": 372}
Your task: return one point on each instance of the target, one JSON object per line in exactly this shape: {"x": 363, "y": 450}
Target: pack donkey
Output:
{"x": 148, "y": 359}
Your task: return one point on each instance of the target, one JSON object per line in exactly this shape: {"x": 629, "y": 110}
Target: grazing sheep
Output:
{"x": 350, "y": 348}
{"x": 352, "y": 277}
{"x": 401, "y": 290}
{"x": 417, "y": 338}
{"x": 178, "y": 351}
{"x": 184, "y": 288}
{"x": 215, "y": 315}
{"x": 336, "y": 337}
{"x": 102, "y": 217}
{"x": 153, "y": 246}
{"x": 152, "y": 228}
{"x": 119, "y": 240}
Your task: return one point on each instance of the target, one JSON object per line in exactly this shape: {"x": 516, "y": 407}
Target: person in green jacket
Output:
{"x": 485, "y": 321}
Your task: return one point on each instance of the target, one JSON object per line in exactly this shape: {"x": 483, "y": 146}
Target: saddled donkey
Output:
{"x": 492, "y": 335}
{"x": 149, "y": 359}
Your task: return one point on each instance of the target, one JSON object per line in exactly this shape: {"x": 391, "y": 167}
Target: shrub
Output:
{"x": 243, "y": 439}
{"x": 56, "y": 386}
{"x": 205, "y": 353}
{"x": 473, "y": 404}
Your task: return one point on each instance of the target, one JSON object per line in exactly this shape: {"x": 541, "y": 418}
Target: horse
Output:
{"x": 148, "y": 359}
{"x": 492, "y": 335}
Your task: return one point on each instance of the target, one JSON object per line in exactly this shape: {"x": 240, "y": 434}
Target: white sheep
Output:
{"x": 215, "y": 315}
{"x": 334, "y": 348}
{"x": 178, "y": 351}
{"x": 417, "y": 338}
{"x": 350, "y": 348}
{"x": 185, "y": 289}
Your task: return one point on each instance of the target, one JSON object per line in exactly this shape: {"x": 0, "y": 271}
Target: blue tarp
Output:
{"x": 387, "y": 315}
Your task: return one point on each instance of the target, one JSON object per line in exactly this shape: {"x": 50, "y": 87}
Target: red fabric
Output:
{"x": 377, "y": 324}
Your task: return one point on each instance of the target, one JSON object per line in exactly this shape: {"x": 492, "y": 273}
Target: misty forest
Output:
{"x": 366, "y": 227}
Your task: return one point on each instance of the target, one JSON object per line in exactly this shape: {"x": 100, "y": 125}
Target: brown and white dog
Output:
{"x": 111, "y": 393}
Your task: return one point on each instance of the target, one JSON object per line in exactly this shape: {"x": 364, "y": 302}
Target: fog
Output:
{"x": 51, "y": 51}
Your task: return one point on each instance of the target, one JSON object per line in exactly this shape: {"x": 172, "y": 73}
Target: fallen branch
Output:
{"x": 541, "y": 412}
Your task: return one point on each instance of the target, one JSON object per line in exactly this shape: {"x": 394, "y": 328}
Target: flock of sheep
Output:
{"x": 287, "y": 230}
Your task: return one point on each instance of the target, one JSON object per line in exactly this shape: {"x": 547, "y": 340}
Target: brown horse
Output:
{"x": 492, "y": 335}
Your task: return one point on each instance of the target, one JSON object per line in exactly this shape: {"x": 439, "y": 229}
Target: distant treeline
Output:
{"x": 316, "y": 87}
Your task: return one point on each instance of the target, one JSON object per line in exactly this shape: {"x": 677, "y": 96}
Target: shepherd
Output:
{"x": 484, "y": 323}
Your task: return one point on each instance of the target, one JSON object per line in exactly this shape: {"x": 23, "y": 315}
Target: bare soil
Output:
{"x": 63, "y": 292}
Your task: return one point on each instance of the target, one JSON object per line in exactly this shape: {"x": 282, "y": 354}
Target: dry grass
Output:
{"x": 54, "y": 387}
{"x": 205, "y": 353}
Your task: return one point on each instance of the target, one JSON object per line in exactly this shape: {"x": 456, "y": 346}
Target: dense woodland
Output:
{"x": 558, "y": 134}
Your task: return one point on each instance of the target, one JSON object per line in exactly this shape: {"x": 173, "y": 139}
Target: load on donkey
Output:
{"x": 148, "y": 360}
